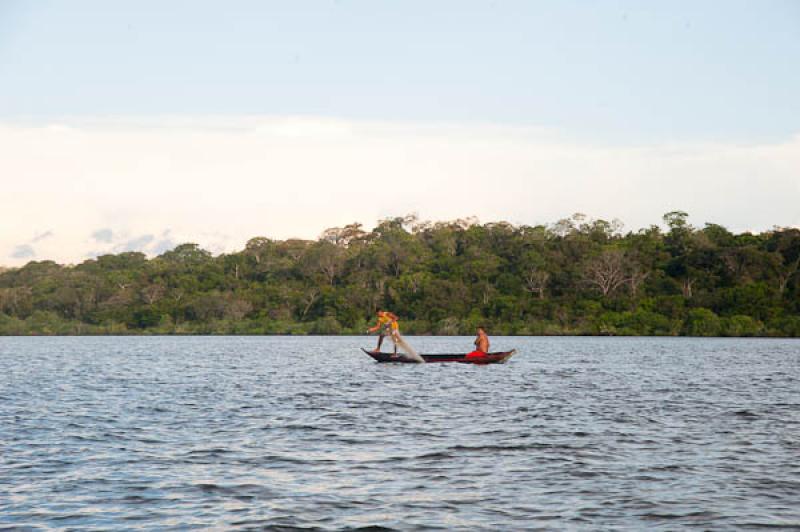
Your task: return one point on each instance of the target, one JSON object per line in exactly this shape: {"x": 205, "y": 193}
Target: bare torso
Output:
{"x": 482, "y": 343}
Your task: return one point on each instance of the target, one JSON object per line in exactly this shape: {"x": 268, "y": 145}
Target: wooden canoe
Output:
{"x": 498, "y": 357}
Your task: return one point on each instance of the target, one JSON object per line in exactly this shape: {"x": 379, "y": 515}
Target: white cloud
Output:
{"x": 42, "y": 236}
{"x": 218, "y": 181}
{"x": 23, "y": 251}
{"x": 103, "y": 235}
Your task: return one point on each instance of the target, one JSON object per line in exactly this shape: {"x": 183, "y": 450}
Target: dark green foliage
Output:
{"x": 702, "y": 322}
{"x": 577, "y": 276}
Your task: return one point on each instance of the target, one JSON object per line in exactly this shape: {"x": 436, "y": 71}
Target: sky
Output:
{"x": 142, "y": 125}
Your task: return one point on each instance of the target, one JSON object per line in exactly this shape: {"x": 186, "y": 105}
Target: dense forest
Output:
{"x": 577, "y": 276}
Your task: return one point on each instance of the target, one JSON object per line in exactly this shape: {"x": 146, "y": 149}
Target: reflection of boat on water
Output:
{"x": 497, "y": 357}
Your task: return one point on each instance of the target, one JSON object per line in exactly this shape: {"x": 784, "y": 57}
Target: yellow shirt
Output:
{"x": 385, "y": 319}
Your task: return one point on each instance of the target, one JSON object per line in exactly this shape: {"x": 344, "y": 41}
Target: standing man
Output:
{"x": 388, "y": 326}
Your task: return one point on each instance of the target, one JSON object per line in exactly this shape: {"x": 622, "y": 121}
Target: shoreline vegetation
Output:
{"x": 575, "y": 277}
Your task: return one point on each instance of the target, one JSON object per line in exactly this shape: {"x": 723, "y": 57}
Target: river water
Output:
{"x": 308, "y": 433}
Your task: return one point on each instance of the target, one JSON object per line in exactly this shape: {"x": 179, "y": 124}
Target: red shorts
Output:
{"x": 476, "y": 354}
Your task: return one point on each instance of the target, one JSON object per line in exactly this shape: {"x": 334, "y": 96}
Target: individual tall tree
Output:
{"x": 606, "y": 272}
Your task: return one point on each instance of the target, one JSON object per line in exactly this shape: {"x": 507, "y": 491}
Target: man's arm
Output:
{"x": 376, "y": 327}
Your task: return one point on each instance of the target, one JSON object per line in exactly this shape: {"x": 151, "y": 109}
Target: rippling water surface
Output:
{"x": 309, "y": 433}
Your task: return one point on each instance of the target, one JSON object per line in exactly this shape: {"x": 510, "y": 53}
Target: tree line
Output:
{"x": 576, "y": 276}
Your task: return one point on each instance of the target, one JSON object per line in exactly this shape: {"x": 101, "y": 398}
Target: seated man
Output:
{"x": 481, "y": 344}
{"x": 388, "y": 326}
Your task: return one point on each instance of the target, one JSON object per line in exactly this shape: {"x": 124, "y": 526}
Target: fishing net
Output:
{"x": 407, "y": 350}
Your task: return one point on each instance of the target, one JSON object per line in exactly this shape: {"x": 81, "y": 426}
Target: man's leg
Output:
{"x": 380, "y": 341}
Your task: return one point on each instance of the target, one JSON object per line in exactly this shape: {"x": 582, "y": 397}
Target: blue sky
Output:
{"x": 626, "y": 71}
{"x": 152, "y": 123}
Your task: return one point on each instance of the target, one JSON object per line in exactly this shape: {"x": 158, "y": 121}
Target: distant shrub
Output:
{"x": 145, "y": 318}
{"x": 325, "y": 326}
{"x": 702, "y": 322}
{"x": 786, "y": 326}
{"x": 448, "y": 327}
{"x": 286, "y": 327}
{"x": 638, "y": 322}
{"x": 741, "y": 326}
{"x": 11, "y": 326}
